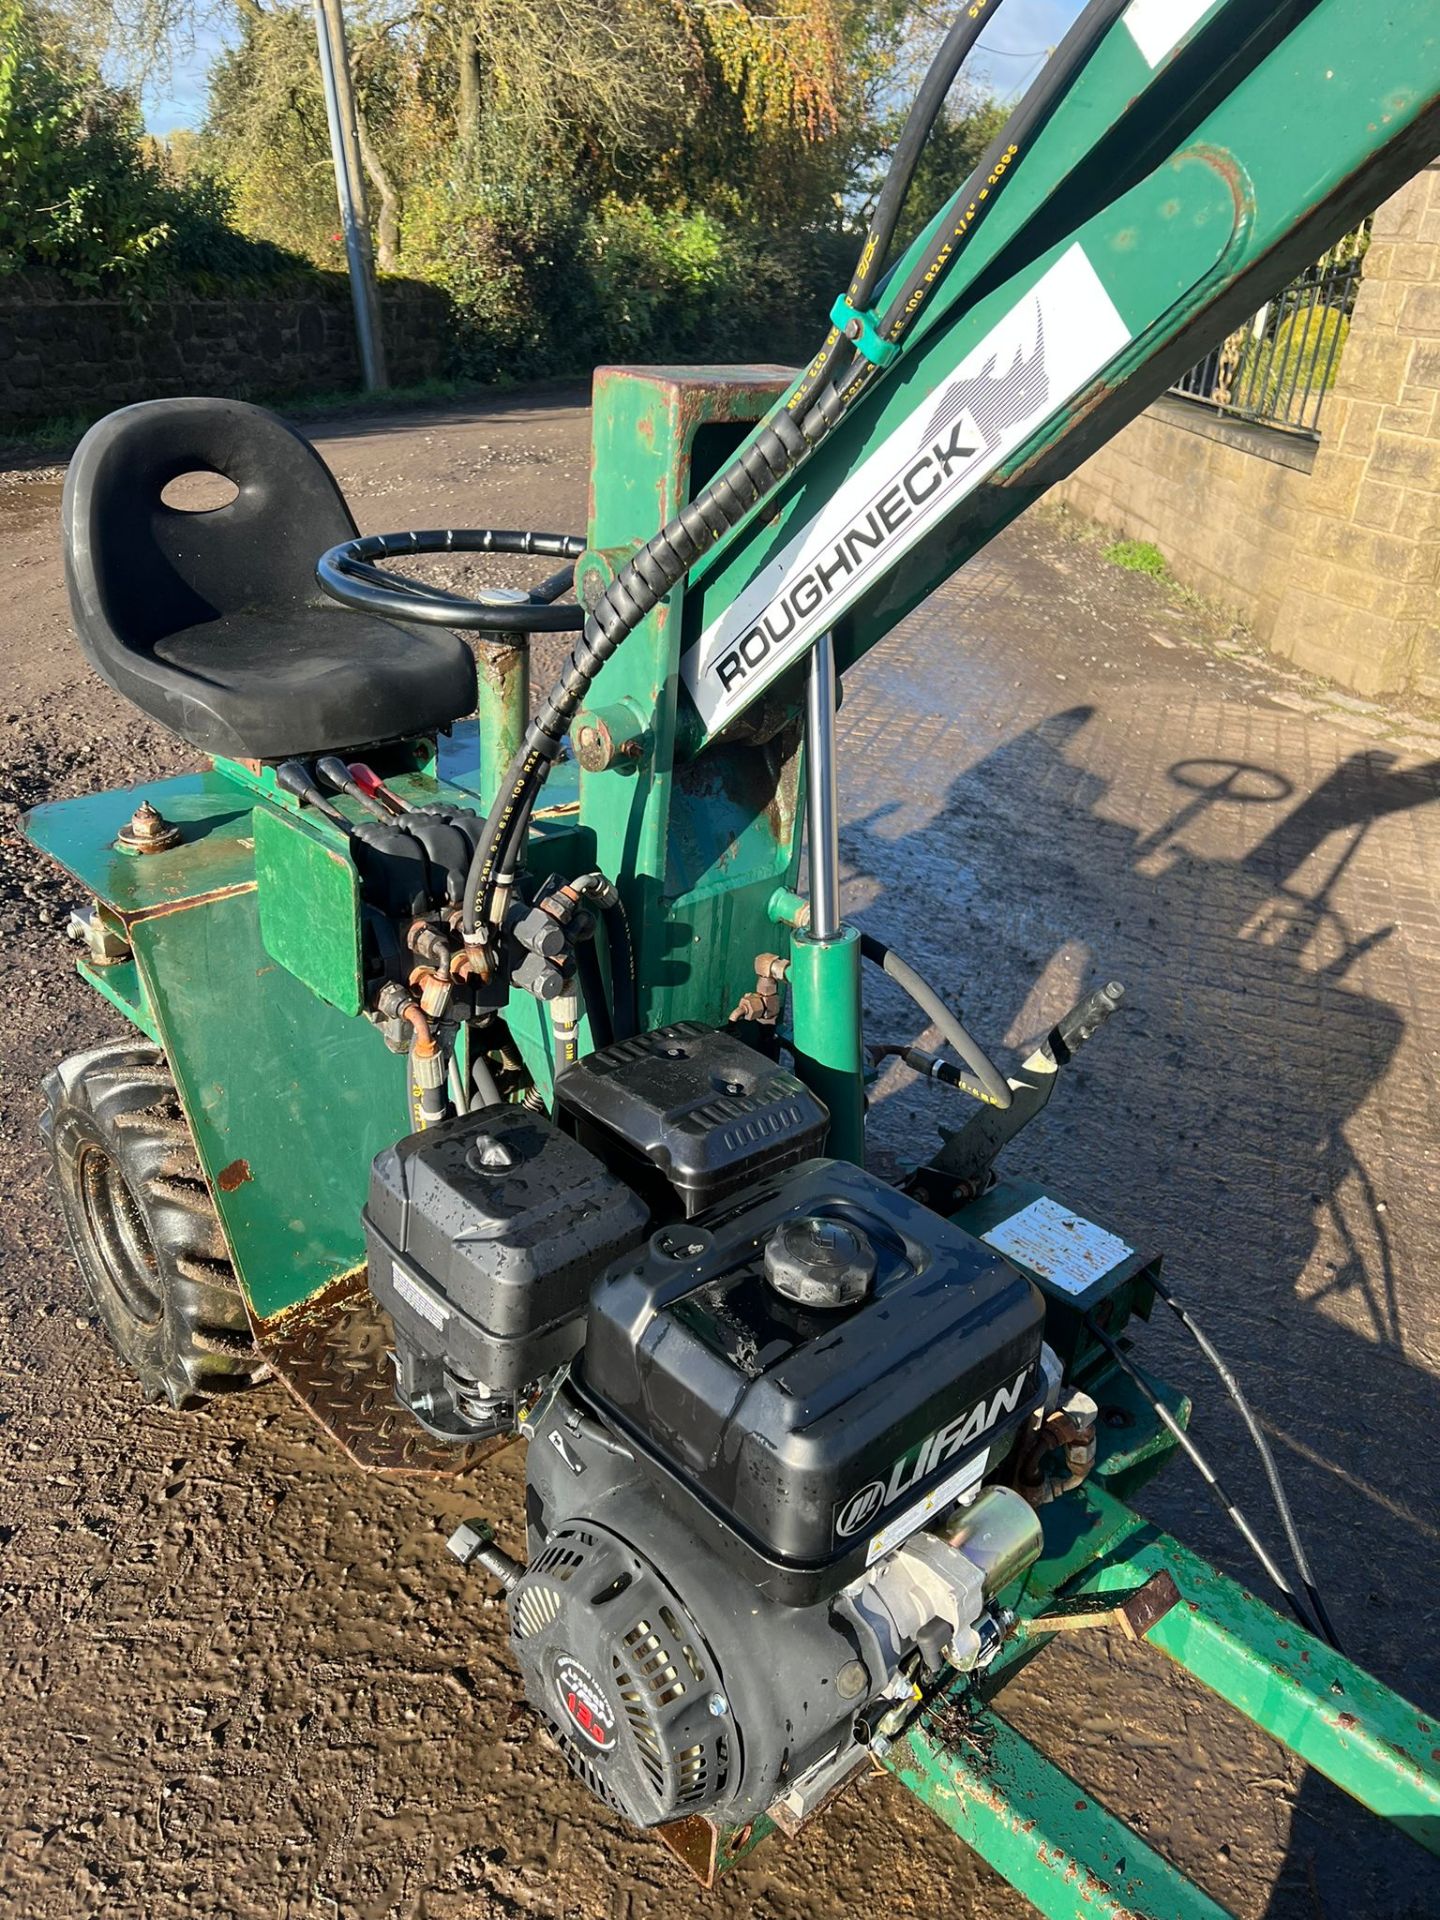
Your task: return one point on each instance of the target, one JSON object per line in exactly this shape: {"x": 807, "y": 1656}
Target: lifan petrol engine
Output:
{"x": 763, "y": 1392}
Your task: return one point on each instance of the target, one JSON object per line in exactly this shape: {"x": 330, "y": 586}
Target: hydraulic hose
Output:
{"x": 919, "y": 124}
{"x": 976, "y": 199}
{"x": 988, "y": 1075}
{"x": 622, "y": 970}
{"x": 592, "y": 992}
{"x": 1267, "y": 1458}
{"x": 1210, "y": 1477}
{"x": 779, "y": 447}
{"x": 484, "y": 1080}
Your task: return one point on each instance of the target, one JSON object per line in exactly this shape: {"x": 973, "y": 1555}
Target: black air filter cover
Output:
{"x": 484, "y": 1236}
{"x": 690, "y": 1109}
{"x": 800, "y": 1438}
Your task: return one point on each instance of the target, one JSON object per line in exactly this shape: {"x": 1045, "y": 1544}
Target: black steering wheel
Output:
{"x": 348, "y": 573}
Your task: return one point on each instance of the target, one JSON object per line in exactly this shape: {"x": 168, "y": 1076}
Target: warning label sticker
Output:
{"x": 1071, "y": 1252}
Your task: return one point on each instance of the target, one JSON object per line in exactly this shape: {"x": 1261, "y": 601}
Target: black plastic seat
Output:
{"x": 212, "y": 622}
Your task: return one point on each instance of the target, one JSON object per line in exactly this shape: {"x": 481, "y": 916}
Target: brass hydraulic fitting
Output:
{"x": 762, "y": 1004}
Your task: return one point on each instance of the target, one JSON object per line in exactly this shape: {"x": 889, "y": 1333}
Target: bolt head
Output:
{"x": 718, "y": 1705}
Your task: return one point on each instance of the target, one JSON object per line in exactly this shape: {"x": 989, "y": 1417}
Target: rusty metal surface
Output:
{"x": 708, "y": 1850}
{"x": 1134, "y": 1611}
{"x": 333, "y": 1353}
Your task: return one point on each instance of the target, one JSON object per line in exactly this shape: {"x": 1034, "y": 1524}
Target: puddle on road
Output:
{"x": 31, "y": 503}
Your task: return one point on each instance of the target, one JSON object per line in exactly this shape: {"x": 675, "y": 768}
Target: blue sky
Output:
{"x": 1012, "y": 48}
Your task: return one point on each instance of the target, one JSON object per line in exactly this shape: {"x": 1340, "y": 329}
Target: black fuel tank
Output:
{"x": 813, "y": 1369}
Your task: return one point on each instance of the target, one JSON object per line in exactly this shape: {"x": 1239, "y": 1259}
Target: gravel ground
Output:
{"x": 243, "y": 1681}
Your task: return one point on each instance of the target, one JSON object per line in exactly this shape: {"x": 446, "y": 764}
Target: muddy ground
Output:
{"x": 242, "y": 1681}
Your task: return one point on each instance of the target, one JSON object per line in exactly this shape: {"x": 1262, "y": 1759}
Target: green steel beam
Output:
{"x": 1051, "y": 1839}
{"x": 1337, "y": 1718}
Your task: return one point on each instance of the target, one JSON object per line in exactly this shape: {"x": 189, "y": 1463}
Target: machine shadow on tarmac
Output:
{"x": 1245, "y": 1048}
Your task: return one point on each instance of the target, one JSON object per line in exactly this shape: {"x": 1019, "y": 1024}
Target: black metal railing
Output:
{"x": 1277, "y": 368}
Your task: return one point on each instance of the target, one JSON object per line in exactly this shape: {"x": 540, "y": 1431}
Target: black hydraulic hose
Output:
{"x": 996, "y": 1086}
{"x": 919, "y": 124}
{"x": 622, "y": 970}
{"x": 1262, "y": 1445}
{"x": 997, "y": 165}
{"x": 1209, "y": 1476}
{"x": 780, "y": 446}
{"x": 592, "y": 993}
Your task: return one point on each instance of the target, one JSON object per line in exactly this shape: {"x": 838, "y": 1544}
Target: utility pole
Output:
{"x": 350, "y": 189}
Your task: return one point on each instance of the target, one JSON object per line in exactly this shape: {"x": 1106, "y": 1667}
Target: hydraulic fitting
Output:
{"x": 429, "y": 943}
{"x": 1069, "y": 1432}
{"x": 540, "y": 976}
{"x": 762, "y": 1004}
{"x": 427, "y": 1071}
{"x": 565, "y": 1019}
{"x": 434, "y": 990}
{"x": 540, "y": 932}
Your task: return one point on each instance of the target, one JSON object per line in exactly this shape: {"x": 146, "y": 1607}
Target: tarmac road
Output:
{"x": 244, "y": 1681}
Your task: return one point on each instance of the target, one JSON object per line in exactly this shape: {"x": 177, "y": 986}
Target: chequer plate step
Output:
{"x": 333, "y": 1353}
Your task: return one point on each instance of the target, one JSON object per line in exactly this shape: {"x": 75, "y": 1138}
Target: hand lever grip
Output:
{"x": 293, "y": 776}
{"x": 338, "y": 777}
{"x": 1083, "y": 1022}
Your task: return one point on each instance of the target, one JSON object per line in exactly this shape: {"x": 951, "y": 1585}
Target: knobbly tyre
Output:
{"x": 483, "y": 1088}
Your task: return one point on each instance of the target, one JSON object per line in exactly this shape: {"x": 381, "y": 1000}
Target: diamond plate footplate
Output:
{"x": 333, "y": 1353}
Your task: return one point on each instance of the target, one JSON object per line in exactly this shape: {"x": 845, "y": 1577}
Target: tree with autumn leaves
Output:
{"x": 584, "y": 178}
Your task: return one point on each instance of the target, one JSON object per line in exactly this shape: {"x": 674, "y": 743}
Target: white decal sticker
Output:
{"x": 1160, "y": 25}
{"x": 1058, "y": 1245}
{"x": 424, "y": 1303}
{"x": 936, "y": 1501}
{"x": 1039, "y": 356}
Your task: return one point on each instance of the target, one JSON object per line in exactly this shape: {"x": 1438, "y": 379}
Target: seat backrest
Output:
{"x": 139, "y": 569}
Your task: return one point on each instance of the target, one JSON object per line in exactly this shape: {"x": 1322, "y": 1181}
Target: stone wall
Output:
{"x": 60, "y": 355}
{"x": 1330, "y": 553}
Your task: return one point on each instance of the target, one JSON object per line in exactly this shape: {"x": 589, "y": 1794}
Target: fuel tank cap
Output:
{"x": 819, "y": 1262}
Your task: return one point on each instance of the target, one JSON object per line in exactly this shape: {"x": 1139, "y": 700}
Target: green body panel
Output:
{"x": 289, "y": 1099}
{"x": 215, "y": 856}
{"x": 829, "y": 1055}
{"x": 245, "y": 970}
{"x": 309, "y": 898}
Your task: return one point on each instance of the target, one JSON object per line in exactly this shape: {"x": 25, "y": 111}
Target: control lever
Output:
{"x": 961, "y": 1168}
{"x": 338, "y": 777}
{"x": 1082, "y": 1023}
{"x": 370, "y": 782}
{"x": 293, "y": 777}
